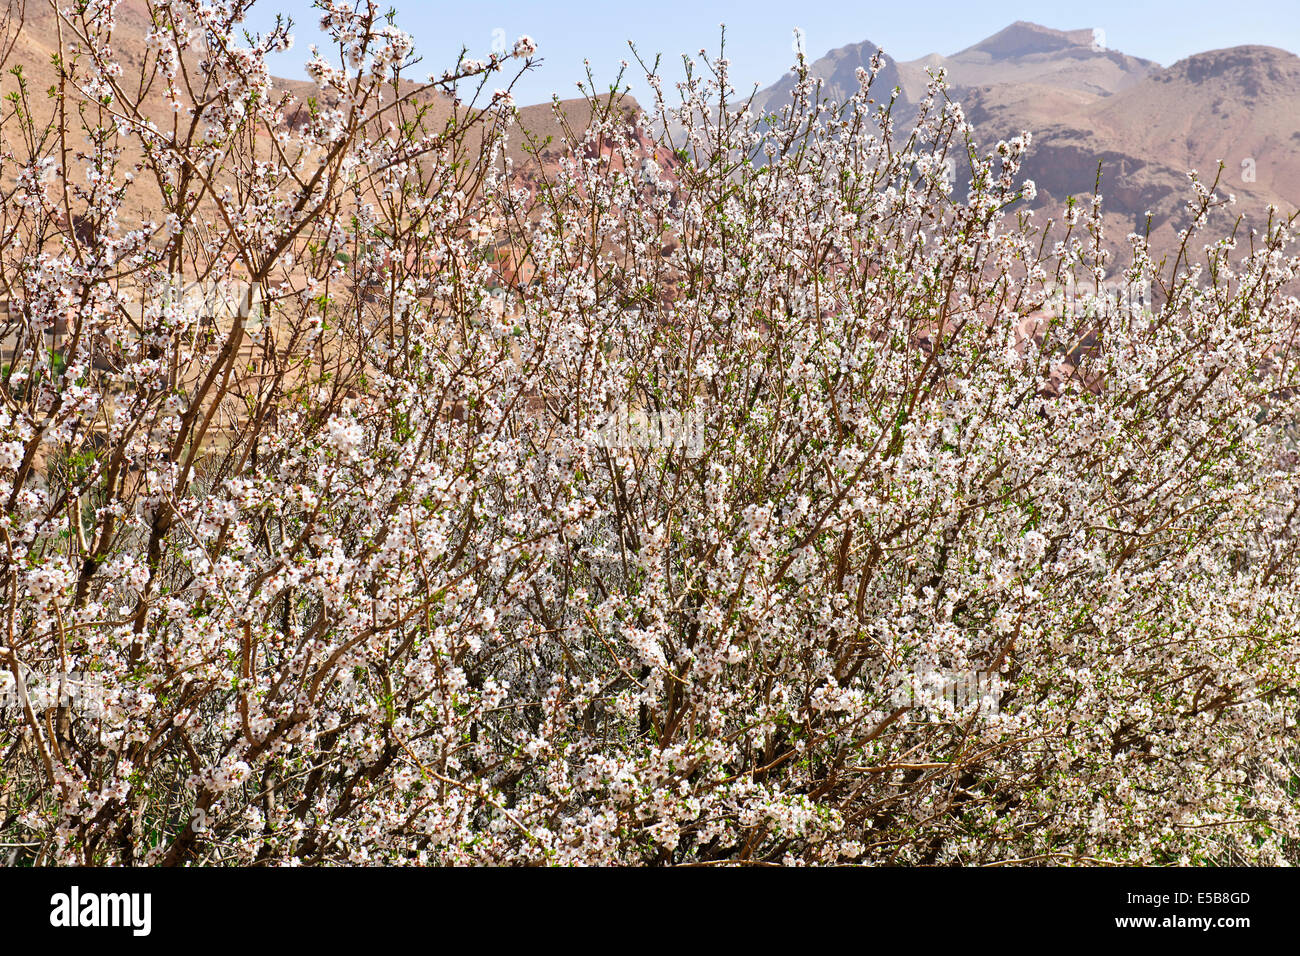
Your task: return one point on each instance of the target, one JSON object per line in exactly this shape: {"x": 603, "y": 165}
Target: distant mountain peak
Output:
{"x": 1023, "y": 38}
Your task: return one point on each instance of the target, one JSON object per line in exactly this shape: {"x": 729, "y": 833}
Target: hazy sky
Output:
{"x": 760, "y": 32}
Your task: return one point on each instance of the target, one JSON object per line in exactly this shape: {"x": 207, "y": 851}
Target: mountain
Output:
{"x": 1087, "y": 104}
{"x": 1024, "y": 54}
{"x": 1238, "y": 106}
{"x": 838, "y": 72}
{"x": 1031, "y": 53}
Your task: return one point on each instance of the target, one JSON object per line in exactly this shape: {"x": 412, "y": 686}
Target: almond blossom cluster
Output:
{"x": 361, "y": 576}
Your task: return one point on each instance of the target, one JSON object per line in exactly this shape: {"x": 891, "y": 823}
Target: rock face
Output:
{"x": 1145, "y": 125}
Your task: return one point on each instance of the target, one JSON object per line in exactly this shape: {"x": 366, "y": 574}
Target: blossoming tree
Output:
{"x": 340, "y": 559}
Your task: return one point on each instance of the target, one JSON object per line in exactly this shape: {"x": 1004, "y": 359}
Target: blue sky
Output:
{"x": 759, "y": 32}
